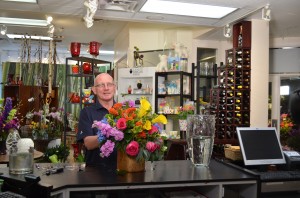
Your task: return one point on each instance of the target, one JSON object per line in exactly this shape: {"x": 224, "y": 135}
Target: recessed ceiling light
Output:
{"x": 21, "y": 21}
{"x": 186, "y": 9}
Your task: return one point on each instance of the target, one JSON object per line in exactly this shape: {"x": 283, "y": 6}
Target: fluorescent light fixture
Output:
{"x": 186, "y": 9}
{"x": 20, "y": 21}
{"x": 106, "y": 52}
{"x": 20, "y": 36}
{"x": 23, "y": 1}
{"x": 284, "y": 90}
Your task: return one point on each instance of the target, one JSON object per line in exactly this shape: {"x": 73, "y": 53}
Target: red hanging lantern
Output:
{"x": 94, "y": 48}
{"x": 75, "y": 49}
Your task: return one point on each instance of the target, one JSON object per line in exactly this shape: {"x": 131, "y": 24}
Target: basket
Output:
{"x": 233, "y": 153}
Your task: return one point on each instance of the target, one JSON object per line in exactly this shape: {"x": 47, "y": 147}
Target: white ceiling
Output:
{"x": 67, "y": 18}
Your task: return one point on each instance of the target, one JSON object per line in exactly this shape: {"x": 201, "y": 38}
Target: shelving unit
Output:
{"x": 130, "y": 77}
{"x": 184, "y": 92}
{"x": 231, "y": 98}
{"x": 203, "y": 84}
{"x": 21, "y": 93}
{"x": 85, "y": 80}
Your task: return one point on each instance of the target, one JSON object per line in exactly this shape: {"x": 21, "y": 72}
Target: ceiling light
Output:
{"x": 266, "y": 13}
{"x": 227, "y": 31}
{"x": 106, "y": 52}
{"x": 21, "y": 36}
{"x": 186, "y": 9}
{"x": 20, "y": 21}
{"x": 3, "y": 30}
{"x": 23, "y": 1}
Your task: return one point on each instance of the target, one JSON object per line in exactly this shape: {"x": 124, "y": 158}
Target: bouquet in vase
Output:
{"x": 134, "y": 131}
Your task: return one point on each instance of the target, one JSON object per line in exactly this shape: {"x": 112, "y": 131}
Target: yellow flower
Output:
{"x": 144, "y": 108}
{"x": 147, "y": 125}
{"x": 160, "y": 119}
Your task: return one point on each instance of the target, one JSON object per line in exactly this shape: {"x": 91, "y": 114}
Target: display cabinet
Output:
{"x": 134, "y": 83}
{"x": 172, "y": 89}
{"x": 203, "y": 84}
{"x": 78, "y": 94}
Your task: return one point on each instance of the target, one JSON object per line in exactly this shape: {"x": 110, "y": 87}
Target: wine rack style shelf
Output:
{"x": 231, "y": 97}
{"x": 241, "y": 34}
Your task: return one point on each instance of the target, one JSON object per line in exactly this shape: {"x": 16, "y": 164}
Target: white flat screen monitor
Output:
{"x": 260, "y": 146}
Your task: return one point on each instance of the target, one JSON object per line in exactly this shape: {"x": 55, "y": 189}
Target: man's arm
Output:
{"x": 85, "y": 131}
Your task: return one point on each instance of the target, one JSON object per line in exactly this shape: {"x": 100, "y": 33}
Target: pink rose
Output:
{"x": 132, "y": 148}
{"x": 151, "y": 147}
{"x": 121, "y": 124}
{"x": 153, "y": 129}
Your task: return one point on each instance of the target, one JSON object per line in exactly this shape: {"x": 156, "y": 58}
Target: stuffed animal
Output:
{"x": 163, "y": 64}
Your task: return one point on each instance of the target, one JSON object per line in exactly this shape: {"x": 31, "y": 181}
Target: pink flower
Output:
{"x": 132, "y": 148}
{"x": 107, "y": 148}
{"x": 154, "y": 129}
{"x": 121, "y": 124}
{"x": 151, "y": 146}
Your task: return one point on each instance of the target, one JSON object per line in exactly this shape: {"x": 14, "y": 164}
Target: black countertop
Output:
{"x": 165, "y": 172}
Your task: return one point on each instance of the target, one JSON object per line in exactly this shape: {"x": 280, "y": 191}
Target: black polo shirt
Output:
{"x": 87, "y": 116}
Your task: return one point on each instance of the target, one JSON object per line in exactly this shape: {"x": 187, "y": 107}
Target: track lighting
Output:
{"x": 3, "y": 30}
{"x": 227, "y": 31}
{"x": 266, "y": 13}
{"x": 49, "y": 19}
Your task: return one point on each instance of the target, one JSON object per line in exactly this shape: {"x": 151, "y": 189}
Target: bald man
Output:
{"x": 104, "y": 89}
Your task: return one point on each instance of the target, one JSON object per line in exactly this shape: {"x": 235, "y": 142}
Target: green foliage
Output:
{"x": 61, "y": 151}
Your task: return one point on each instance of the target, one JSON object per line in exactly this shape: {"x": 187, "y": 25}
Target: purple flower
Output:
{"x": 130, "y": 103}
{"x": 119, "y": 135}
{"x": 107, "y": 148}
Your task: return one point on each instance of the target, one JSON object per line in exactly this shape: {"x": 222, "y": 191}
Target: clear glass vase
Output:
{"x": 20, "y": 153}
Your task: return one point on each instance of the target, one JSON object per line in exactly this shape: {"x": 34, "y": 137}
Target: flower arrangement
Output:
{"x": 286, "y": 125}
{"x": 49, "y": 124}
{"x": 289, "y": 133}
{"x": 8, "y": 117}
{"x": 185, "y": 110}
{"x": 134, "y": 131}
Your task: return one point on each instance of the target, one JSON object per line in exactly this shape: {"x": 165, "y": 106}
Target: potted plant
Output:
{"x": 187, "y": 109}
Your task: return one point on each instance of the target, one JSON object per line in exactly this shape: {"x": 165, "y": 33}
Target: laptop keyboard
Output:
{"x": 280, "y": 175}
{"x": 8, "y": 194}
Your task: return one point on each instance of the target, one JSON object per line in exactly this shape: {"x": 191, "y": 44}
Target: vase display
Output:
{"x": 94, "y": 48}
{"x": 129, "y": 164}
{"x": 75, "y": 49}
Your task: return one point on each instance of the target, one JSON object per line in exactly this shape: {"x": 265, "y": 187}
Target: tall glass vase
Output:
{"x": 200, "y": 138}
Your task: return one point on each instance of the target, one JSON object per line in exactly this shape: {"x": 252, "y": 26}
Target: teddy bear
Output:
{"x": 163, "y": 64}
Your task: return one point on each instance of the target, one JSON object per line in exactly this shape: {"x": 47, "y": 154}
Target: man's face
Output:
{"x": 104, "y": 88}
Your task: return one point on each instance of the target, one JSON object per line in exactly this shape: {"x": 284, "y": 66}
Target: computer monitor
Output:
{"x": 260, "y": 146}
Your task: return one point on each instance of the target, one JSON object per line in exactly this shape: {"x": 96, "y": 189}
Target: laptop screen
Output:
{"x": 260, "y": 146}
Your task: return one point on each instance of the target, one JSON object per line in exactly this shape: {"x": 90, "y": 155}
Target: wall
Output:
{"x": 284, "y": 60}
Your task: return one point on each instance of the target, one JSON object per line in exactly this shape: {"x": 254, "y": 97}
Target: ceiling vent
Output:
{"x": 119, "y": 5}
